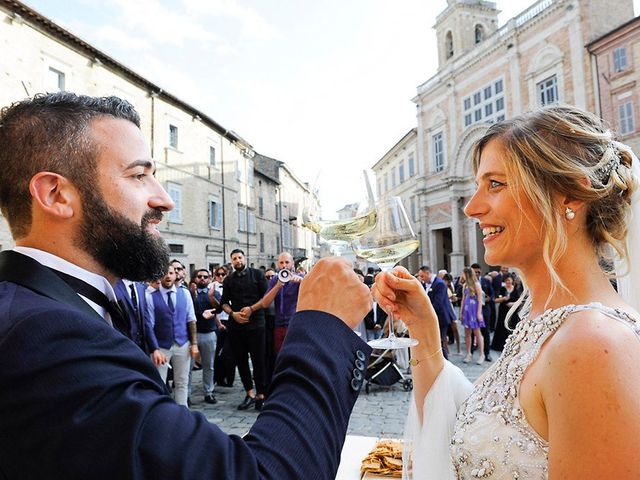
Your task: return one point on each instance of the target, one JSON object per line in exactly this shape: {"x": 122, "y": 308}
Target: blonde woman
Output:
{"x": 471, "y": 313}
{"x": 554, "y": 195}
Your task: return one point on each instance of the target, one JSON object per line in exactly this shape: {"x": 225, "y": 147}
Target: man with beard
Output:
{"x": 78, "y": 399}
{"x": 173, "y": 335}
{"x": 242, "y": 292}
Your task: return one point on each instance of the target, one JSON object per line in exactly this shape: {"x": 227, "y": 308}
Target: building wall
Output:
{"x": 37, "y": 57}
{"x": 296, "y": 200}
{"x": 547, "y": 41}
{"x": 619, "y": 82}
{"x": 267, "y": 211}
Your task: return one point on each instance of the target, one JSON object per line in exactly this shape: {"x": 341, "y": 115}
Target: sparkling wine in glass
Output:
{"x": 337, "y": 232}
{"x": 390, "y": 241}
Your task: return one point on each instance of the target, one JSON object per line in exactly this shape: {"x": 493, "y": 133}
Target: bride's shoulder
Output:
{"x": 596, "y": 334}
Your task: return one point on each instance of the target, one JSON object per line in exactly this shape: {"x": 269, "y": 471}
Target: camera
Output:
{"x": 284, "y": 276}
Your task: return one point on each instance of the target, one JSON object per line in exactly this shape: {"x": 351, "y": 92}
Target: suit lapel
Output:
{"x": 123, "y": 294}
{"x": 27, "y": 272}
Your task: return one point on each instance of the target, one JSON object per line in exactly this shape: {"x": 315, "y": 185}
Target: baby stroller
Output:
{"x": 383, "y": 371}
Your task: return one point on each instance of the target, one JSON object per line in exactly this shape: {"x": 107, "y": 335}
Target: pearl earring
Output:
{"x": 569, "y": 214}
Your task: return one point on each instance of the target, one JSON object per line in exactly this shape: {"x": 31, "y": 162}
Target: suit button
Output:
{"x": 356, "y": 384}
{"x": 357, "y": 374}
{"x": 359, "y": 364}
{"x": 360, "y": 355}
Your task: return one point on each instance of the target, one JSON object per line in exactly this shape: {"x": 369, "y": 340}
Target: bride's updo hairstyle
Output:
{"x": 564, "y": 150}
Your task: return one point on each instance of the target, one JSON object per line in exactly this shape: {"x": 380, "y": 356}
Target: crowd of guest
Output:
{"x": 215, "y": 322}
{"x": 235, "y": 317}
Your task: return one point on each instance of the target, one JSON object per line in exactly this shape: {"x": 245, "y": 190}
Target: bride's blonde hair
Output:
{"x": 553, "y": 150}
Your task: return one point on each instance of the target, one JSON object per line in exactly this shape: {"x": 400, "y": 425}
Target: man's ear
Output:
{"x": 54, "y": 194}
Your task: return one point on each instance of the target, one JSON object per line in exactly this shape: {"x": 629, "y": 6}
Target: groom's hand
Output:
{"x": 333, "y": 287}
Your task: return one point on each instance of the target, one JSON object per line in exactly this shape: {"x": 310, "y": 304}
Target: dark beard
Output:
{"x": 122, "y": 247}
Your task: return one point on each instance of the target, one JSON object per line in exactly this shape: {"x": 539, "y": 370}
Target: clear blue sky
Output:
{"x": 325, "y": 86}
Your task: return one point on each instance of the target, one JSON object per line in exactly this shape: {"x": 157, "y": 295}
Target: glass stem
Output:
{"x": 392, "y": 334}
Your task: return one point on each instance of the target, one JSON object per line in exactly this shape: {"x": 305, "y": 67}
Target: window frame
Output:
{"x": 617, "y": 58}
{"x": 543, "y": 89}
{"x": 175, "y": 215}
{"x": 488, "y": 97}
{"x": 437, "y": 140}
{"x": 626, "y": 117}
{"x": 215, "y": 213}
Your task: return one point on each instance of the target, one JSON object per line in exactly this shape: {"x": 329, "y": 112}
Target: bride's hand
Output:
{"x": 402, "y": 294}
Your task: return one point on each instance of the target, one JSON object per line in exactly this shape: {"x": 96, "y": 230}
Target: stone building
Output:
{"x": 617, "y": 54}
{"x": 487, "y": 73}
{"x": 206, "y": 168}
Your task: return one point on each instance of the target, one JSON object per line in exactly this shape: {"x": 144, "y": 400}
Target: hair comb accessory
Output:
{"x": 603, "y": 173}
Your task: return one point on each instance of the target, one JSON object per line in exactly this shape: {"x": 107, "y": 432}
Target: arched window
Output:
{"x": 479, "y": 33}
{"x": 448, "y": 44}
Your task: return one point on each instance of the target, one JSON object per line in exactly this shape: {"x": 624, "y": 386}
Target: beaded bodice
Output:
{"x": 492, "y": 438}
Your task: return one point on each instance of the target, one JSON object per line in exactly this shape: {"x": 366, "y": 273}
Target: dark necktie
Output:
{"x": 96, "y": 296}
{"x": 136, "y": 311}
{"x": 170, "y": 301}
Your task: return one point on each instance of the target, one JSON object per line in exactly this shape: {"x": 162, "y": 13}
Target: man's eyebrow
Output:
{"x": 141, "y": 163}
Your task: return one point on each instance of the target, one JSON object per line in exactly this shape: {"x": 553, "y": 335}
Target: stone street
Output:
{"x": 379, "y": 413}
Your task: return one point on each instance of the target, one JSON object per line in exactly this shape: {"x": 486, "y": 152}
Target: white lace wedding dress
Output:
{"x": 481, "y": 432}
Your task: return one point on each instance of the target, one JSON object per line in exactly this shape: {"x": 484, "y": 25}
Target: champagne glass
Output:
{"x": 339, "y": 233}
{"x": 392, "y": 240}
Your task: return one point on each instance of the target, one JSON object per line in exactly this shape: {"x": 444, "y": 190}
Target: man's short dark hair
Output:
{"x": 236, "y": 250}
{"x": 50, "y": 132}
{"x": 175, "y": 260}
{"x": 476, "y": 266}
{"x": 425, "y": 268}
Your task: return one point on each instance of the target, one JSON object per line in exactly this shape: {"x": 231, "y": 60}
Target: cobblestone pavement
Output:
{"x": 379, "y": 413}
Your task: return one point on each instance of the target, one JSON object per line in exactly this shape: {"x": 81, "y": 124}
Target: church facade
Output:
{"x": 488, "y": 73}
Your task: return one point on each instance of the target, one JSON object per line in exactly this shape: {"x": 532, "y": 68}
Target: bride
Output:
{"x": 554, "y": 197}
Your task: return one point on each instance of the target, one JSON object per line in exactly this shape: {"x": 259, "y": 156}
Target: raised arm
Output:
{"x": 399, "y": 292}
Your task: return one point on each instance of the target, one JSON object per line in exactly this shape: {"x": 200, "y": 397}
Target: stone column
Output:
{"x": 457, "y": 254}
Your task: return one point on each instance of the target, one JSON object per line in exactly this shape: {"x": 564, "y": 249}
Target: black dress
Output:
{"x": 501, "y": 333}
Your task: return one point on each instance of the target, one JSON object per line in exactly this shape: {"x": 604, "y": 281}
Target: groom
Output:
{"x": 78, "y": 398}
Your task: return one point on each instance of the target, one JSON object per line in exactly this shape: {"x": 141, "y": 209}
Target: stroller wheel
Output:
{"x": 407, "y": 384}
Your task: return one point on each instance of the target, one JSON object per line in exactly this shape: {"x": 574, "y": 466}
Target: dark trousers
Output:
{"x": 224, "y": 368}
{"x": 245, "y": 343}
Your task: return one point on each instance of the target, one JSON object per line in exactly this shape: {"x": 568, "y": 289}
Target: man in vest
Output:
{"x": 207, "y": 325}
{"x": 173, "y": 335}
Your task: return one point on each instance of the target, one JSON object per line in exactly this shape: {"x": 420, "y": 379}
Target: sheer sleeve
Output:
{"x": 426, "y": 453}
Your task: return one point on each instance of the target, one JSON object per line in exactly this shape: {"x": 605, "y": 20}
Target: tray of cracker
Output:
{"x": 384, "y": 461}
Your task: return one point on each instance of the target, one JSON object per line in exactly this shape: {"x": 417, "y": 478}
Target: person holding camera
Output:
{"x": 283, "y": 290}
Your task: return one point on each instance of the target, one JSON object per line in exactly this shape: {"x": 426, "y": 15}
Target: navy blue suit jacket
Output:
{"x": 489, "y": 296}
{"x": 78, "y": 400}
{"x": 439, "y": 297}
{"x": 123, "y": 295}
